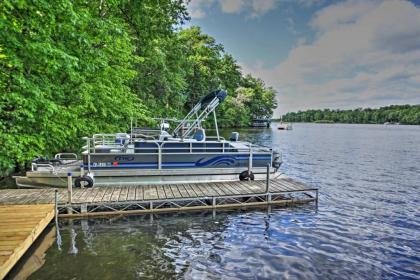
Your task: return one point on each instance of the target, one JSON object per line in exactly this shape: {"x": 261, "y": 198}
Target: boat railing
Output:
{"x": 66, "y": 156}
{"x": 35, "y": 166}
{"x": 106, "y": 145}
{"x": 144, "y": 136}
{"x": 214, "y": 138}
{"x": 203, "y": 147}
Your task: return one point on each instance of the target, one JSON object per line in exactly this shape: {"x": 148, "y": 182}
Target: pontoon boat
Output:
{"x": 155, "y": 156}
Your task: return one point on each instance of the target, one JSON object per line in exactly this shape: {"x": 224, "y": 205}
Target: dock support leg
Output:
{"x": 69, "y": 193}
{"x": 56, "y": 208}
{"x": 69, "y": 188}
{"x": 83, "y": 208}
{"x": 57, "y": 228}
{"x": 267, "y": 180}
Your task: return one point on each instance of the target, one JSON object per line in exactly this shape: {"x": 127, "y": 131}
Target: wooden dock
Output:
{"x": 24, "y": 213}
{"x": 164, "y": 198}
{"x": 20, "y": 225}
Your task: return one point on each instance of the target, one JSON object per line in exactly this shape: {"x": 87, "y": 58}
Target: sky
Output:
{"x": 322, "y": 53}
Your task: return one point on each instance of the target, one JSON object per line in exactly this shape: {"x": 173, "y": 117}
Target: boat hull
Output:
{"x": 141, "y": 177}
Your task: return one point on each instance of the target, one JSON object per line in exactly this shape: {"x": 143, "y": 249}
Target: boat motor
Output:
{"x": 164, "y": 126}
{"x": 234, "y": 136}
{"x": 277, "y": 161}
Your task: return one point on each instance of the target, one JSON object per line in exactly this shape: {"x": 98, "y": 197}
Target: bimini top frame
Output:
{"x": 199, "y": 113}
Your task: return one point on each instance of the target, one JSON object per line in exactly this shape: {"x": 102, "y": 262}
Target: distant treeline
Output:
{"x": 403, "y": 114}
{"x": 72, "y": 68}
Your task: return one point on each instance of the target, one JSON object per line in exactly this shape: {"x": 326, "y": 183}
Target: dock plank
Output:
{"x": 175, "y": 191}
{"x": 85, "y": 195}
{"x": 115, "y": 193}
{"x": 278, "y": 187}
{"x": 150, "y": 192}
{"x": 234, "y": 189}
{"x": 190, "y": 190}
{"x": 92, "y": 194}
{"x": 16, "y": 236}
{"x": 297, "y": 185}
{"x": 182, "y": 190}
{"x": 123, "y": 194}
{"x": 208, "y": 191}
{"x": 78, "y": 194}
{"x": 139, "y": 193}
{"x": 99, "y": 195}
{"x": 204, "y": 191}
{"x": 287, "y": 187}
{"x": 131, "y": 193}
{"x": 218, "y": 190}
{"x": 160, "y": 192}
{"x": 197, "y": 189}
{"x": 221, "y": 189}
{"x": 108, "y": 194}
{"x": 257, "y": 186}
{"x": 168, "y": 192}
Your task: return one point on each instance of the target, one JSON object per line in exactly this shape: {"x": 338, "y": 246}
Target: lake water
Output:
{"x": 366, "y": 226}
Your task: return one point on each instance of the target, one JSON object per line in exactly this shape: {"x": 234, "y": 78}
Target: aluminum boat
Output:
{"x": 155, "y": 156}
{"x": 284, "y": 126}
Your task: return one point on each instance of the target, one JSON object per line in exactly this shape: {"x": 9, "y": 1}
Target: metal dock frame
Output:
{"x": 265, "y": 194}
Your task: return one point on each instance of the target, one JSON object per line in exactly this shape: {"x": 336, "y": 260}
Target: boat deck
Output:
{"x": 20, "y": 225}
{"x": 164, "y": 198}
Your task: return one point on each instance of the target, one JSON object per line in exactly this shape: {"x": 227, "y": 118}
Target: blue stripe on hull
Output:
{"x": 225, "y": 161}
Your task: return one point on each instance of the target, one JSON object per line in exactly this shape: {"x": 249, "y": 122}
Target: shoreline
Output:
{"x": 390, "y": 124}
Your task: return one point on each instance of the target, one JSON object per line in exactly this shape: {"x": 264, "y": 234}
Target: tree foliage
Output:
{"x": 71, "y": 68}
{"x": 404, "y": 114}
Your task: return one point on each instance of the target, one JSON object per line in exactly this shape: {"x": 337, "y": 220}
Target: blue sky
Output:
{"x": 319, "y": 53}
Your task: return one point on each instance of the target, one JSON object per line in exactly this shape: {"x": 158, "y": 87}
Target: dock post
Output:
{"x": 69, "y": 188}
{"x": 267, "y": 180}
{"x": 56, "y": 208}
{"x": 57, "y": 228}
{"x": 250, "y": 161}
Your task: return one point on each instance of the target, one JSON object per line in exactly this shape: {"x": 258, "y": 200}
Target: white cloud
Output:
{"x": 343, "y": 13}
{"x": 232, "y": 6}
{"x": 260, "y": 7}
{"x": 251, "y": 8}
{"x": 197, "y": 8}
{"x": 310, "y": 3}
{"x": 365, "y": 53}
{"x": 197, "y": 13}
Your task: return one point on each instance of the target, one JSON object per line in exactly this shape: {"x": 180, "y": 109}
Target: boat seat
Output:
{"x": 200, "y": 135}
